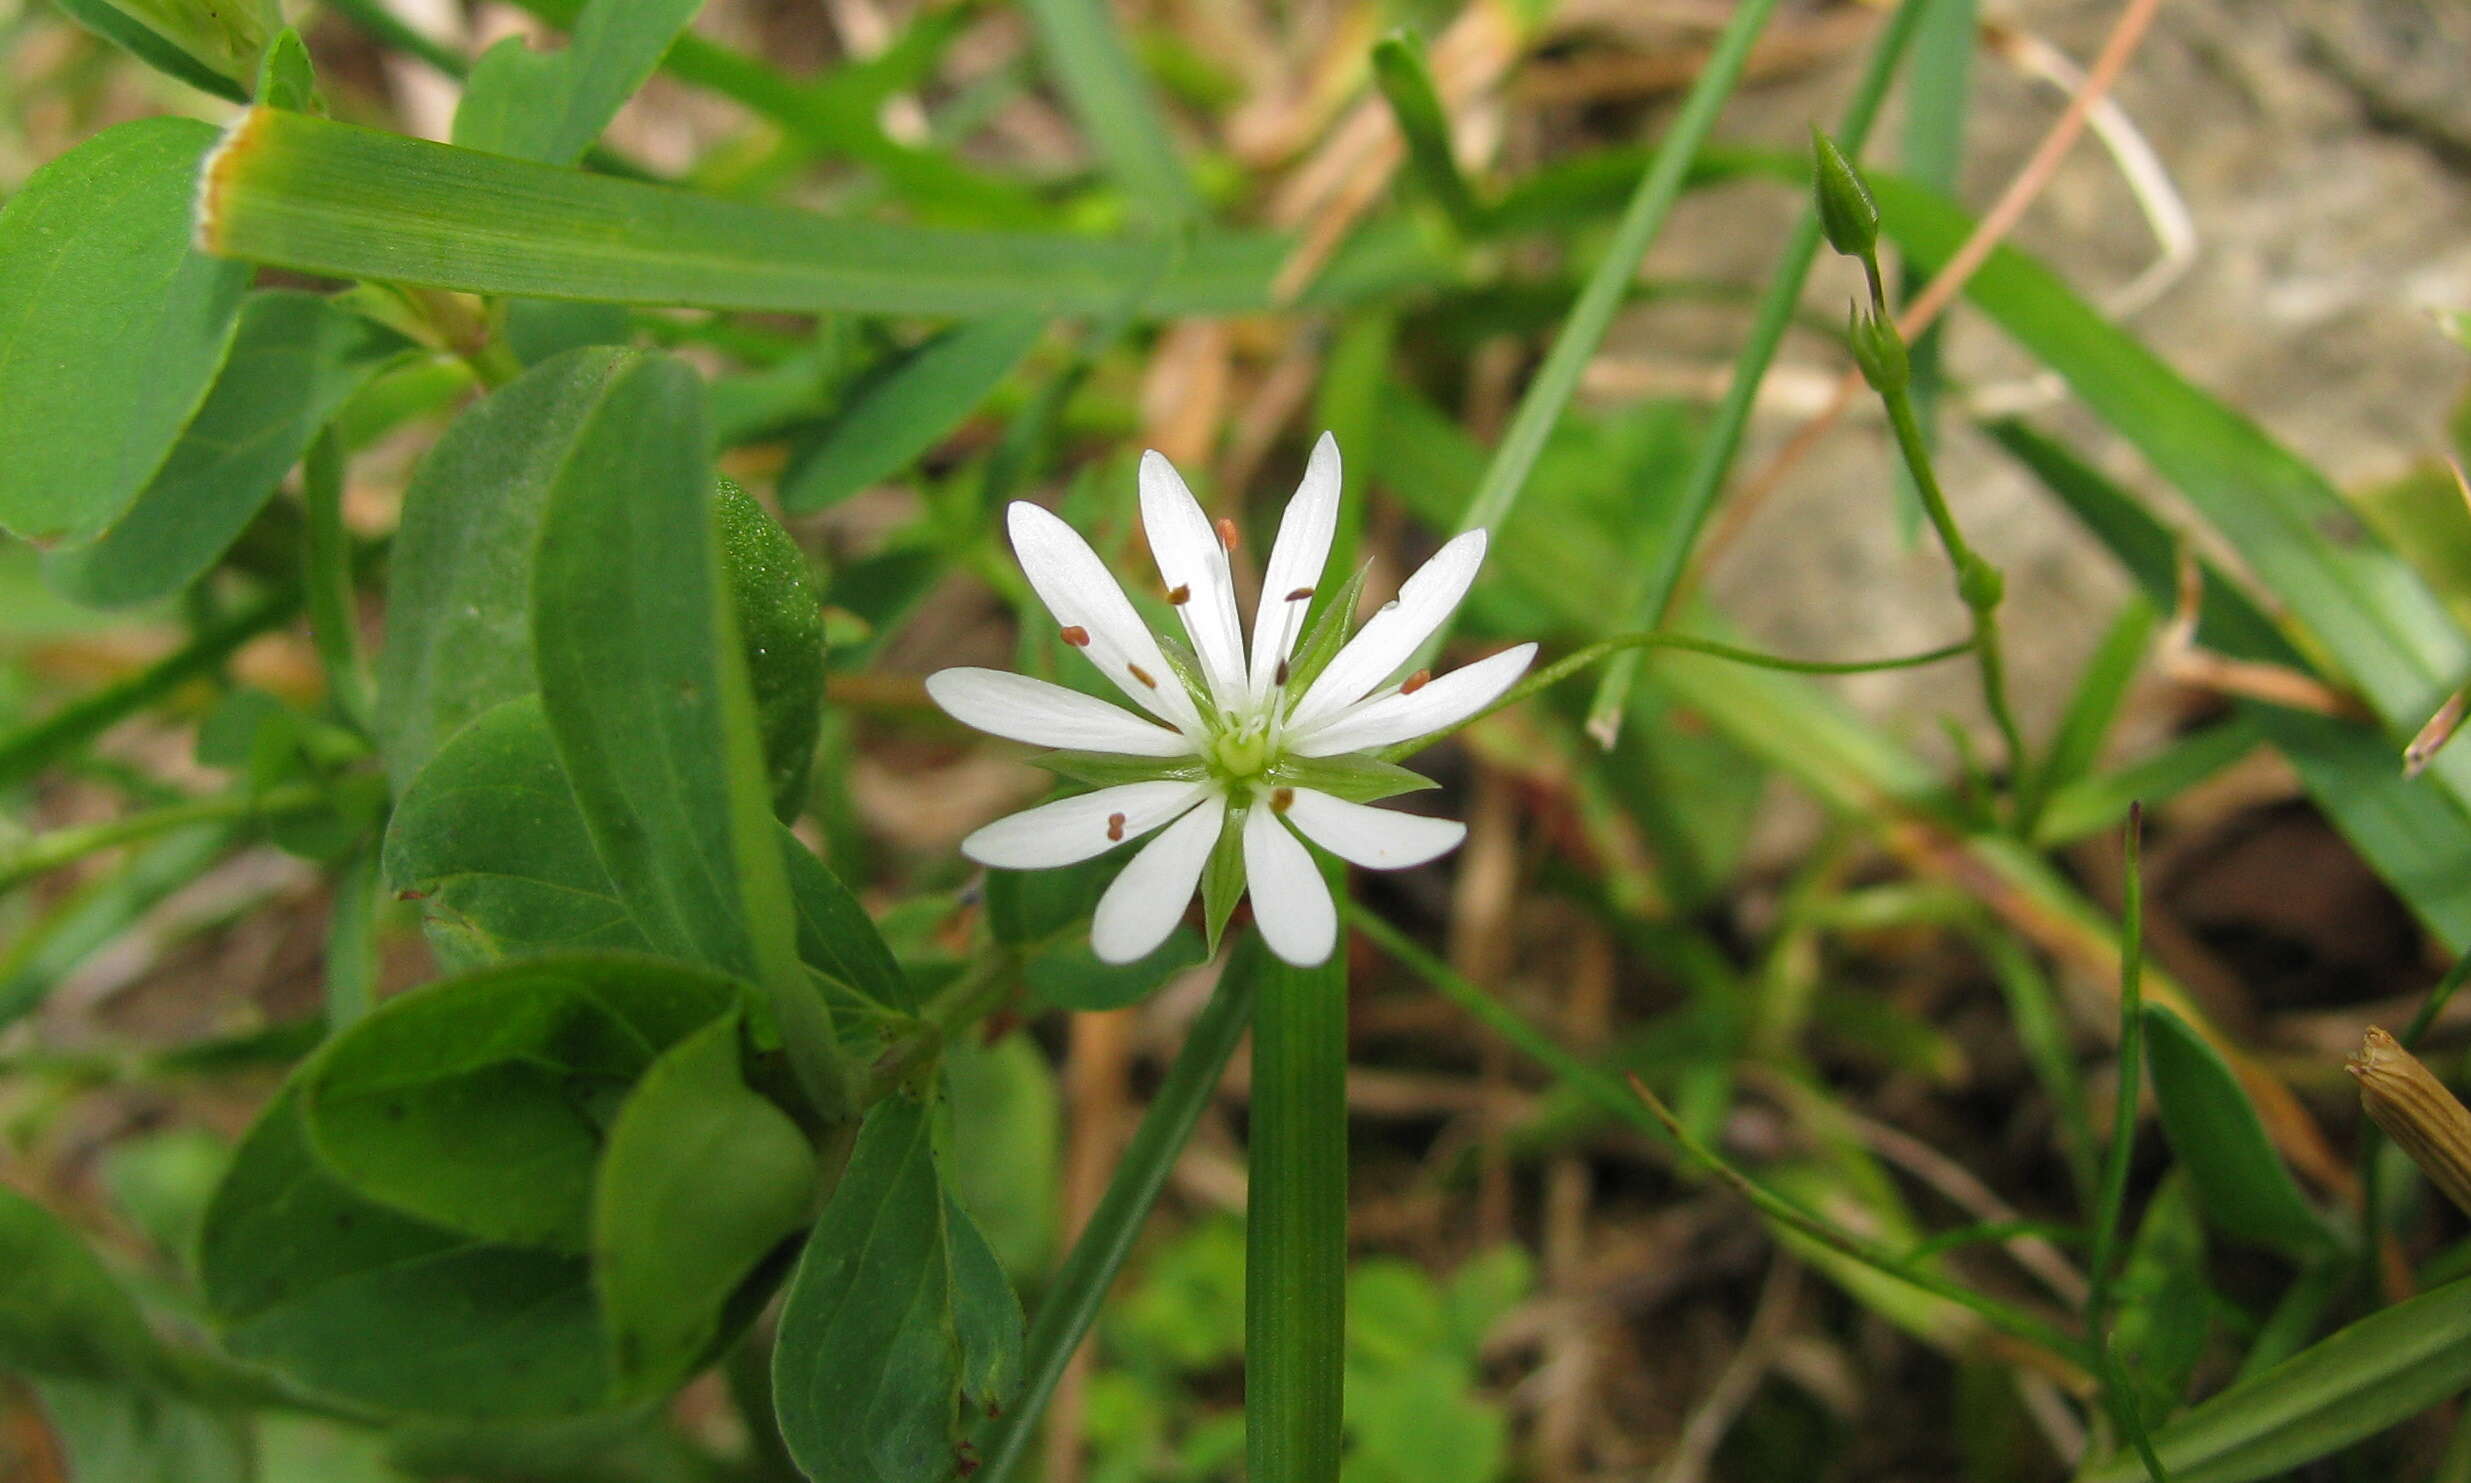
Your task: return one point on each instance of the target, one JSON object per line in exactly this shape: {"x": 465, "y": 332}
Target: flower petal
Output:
{"x": 1391, "y": 635}
{"x": 1149, "y": 897}
{"x": 1296, "y": 560}
{"x": 1194, "y": 562}
{"x": 1375, "y": 838}
{"x": 1004, "y": 704}
{"x": 1071, "y": 830}
{"x": 1402, "y": 716}
{"x": 1077, "y": 589}
{"x": 1291, "y": 905}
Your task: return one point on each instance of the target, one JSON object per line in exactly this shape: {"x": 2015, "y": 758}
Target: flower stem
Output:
{"x": 49, "y": 852}
{"x": 1295, "y": 1231}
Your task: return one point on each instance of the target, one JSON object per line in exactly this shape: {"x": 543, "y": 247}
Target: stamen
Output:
{"x": 1227, "y": 536}
{"x": 1181, "y": 594}
{"x": 1416, "y": 682}
{"x": 1077, "y": 636}
{"x": 1280, "y": 676}
{"x": 1115, "y": 827}
{"x": 1301, "y": 594}
{"x": 1142, "y": 675}
{"x": 1282, "y": 799}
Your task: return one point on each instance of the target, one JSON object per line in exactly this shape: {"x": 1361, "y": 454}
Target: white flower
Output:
{"x": 1264, "y": 744}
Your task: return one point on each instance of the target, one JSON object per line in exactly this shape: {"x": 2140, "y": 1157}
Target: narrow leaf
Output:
{"x": 2242, "y": 1185}
{"x": 906, "y": 407}
{"x": 1113, "y": 104}
{"x": 550, "y": 106}
{"x": 210, "y": 47}
{"x": 61, "y": 1313}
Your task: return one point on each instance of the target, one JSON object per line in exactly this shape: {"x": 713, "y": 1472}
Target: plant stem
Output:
{"x": 1981, "y": 596}
{"x": 333, "y": 600}
{"x": 1081, "y": 1282}
{"x": 1295, "y": 1226}
{"x": 49, "y": 852}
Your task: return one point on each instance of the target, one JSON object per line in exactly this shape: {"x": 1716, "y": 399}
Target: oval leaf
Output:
{"x": 2242, "y": 1185}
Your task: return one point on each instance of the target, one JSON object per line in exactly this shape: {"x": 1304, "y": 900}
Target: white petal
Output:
{"x": 1149, "y": 898}
{"x": 1191, "y": 558}
{"x": 1004, "y": 704}
{"x": 1375, "y": 838}
{"x": 1398, "y": 717}
{"x": 1391, "y": 635}
{"x": 1291, "y": 905}
{"x": 1077, "y": 589}
{"x": 1071, "y": 830}
{"x": 1296, "y": 560}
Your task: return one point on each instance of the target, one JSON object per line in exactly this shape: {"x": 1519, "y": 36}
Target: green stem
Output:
{"x": 1295, "y": 1226}
{"x": 1651, "y": 601}
{"x": 1571, "y": 663}
{"x": 1976, "y": 581}
{"x": 983, "y": 985}
{"x": 37, "y": 746}
{"x": 333, "y": 600}
{"x": 2120, "y": 1397}
{"x": 49, "y": 852}
{"x": 1081, "y": 1282}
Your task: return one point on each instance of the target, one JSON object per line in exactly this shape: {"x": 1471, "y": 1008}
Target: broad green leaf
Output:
{"x": 115, "y": 1434}
{"x": 648, "y": 695}
{"x": 2242, "y": 1185}
{"x": 487, "y": 839}
{"x": 893, "y": 416}
{"x": 781, "y": 632}
{"x": 301, "y": 1272}
{"x": 490, "y": 839}
{"x": 295, "y": 359}
{"x": 1029, "y": 906}
{"x": 986, "y": 1316}
{"x": 1006, "y": 1138}
{"x": 111, "y": 325}
{"x": 481, "y": 1103}
{"x": 2390, "y": 1365}
{"x": 2164, "y": 1308}
{"x": 333, "y": 198}
{"x": 885, "y": 1328}
{"x": 701, "y": 1178}
{"x": 550, "y": 106}
{"x": 544, "y": 329}
{"x": 61, "y": 1314}
{"x": 208, "y": 44}
{"x": 1068, "y": 975}
{"x": 458, "y": 607}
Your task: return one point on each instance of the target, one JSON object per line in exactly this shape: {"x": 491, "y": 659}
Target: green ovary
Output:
{"x": 1237, "y": 755}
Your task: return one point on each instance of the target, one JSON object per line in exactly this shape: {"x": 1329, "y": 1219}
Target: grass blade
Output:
{"x": 1114, "y": 106}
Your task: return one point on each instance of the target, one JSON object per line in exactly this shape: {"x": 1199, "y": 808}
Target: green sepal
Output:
{"x": 1324, "y": 639}
{"x": 1846, "y": 211}
{"x": 1222, "y": 880}
{"x": 1110, "y": 769}
{"x": 1354, "y": 776}
{"x": 1187, "y": 667}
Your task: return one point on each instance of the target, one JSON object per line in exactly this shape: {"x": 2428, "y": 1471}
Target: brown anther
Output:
{"x": 1179, "y": 595}
{"x": 1077, "y": 636}
{"x": 1115, "y": 827}
{"x": 1280, "y": 678}
{"x": 1416, "y": 682}
{"x": 1227, "y": 536}
{"x": 1282, "y": 799}
{"x": 1142, "y": 675}
{"x": 1301, "y": 594}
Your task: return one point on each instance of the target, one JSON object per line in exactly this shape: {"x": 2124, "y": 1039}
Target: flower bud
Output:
{"x": 1879, "y": 350}
{"x": 2424, "y": 1119}
{"x": 1846, "y": 210}
{"x": 1980, "y": 584}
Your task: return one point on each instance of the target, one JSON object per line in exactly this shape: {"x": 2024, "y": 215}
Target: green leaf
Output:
{"x": 112, "y": 1434}
{"x": 2242, "y": 1185}
{"x": 1356, "y": 777}
{"x": 986, "y": 1316}
{"x": 905, "y": 406}
{"x": 1406, "y": 82}
{"x": 1321, "y": 642}
{"x": 295, "y": 359}
{"x": 1007, "y": 1135}
{"x": 550, "y": 106}
{"x": 212, "y": 47}
{"x": 333, "y": 198}
{"x": 480, "y": 1103}
{"x": 458, "y": 606}
{"x": 1070, "y": 976}
{"x": 781, "y": 633}
{"x": 301, "y": 1271}
{"x": 115, "y": 325}
{"x": 1222, "y": 880}
{"x": 2165, "y": 1309}
{"x": 1113, "y": 105}
{"x": 701, "y": 1179}
{"x": 891, "y": 1318}
{"x": 61, "y": 1314}
{"x": 2388, "y": 1366}
{"x": 649, "y": 701}
{"x": 1030, "y": 906}
{"x": 286, "y": 78}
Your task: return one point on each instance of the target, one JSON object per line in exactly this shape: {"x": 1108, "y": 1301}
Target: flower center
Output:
{"x": 1240, "y": 754}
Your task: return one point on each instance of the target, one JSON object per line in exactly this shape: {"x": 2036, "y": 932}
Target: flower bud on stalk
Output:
{"x": 2424, "y": 1119}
